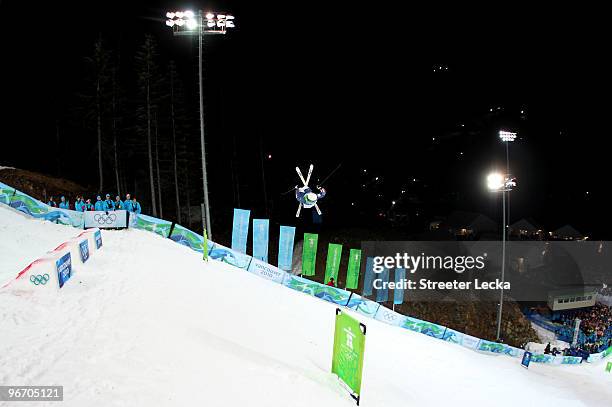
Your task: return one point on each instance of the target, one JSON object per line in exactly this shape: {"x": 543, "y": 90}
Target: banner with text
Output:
{"x": 309, "y": 254}
{"x": 285, "y": 247}
{"x": 334, "y": 254}
{"x": 261, "y": 234}
{"x": 352, "y": 273}
{"x": 240, "y": 230}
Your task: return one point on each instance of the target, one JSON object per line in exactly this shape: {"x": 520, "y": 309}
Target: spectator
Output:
{"x": 547, "y": 349}
{"x": 78, "y": 204}
{"x": 99, "y": 204}
{"x": 331, "y": 282}
{"x": 127, "y": 204}
{"x": 64, "y": 204}
{"x": 119, "y": 203}
{"x": 52, "y": 202}
{"x": 109, "y": 205}
{"x": 135, "y": 206}
{"x": 88, "y": 206}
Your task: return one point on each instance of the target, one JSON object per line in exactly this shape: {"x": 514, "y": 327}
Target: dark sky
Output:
{"x": 309, "y": 82}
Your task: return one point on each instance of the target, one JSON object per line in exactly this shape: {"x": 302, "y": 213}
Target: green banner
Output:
{"x": 609, "y": 367}
{"x": 309, "y": 254}
{"x": 334, "y": 253}
{"x": 205, "y": 246}
{"x": 352, "y": 274}
{"x": 349, "y": 345}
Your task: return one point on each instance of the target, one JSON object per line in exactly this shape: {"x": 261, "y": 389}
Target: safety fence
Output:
{"x": 241, "y": 260}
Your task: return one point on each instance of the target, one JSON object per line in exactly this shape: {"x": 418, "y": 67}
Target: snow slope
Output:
{"x": 148, "y": 323}
{"x": 24, "y": 239}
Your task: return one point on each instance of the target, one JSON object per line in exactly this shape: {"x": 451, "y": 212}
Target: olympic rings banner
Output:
{"x": 102, "y": 219}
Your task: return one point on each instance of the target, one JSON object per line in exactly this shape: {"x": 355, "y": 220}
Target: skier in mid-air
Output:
{"x": 307, "y": 197}
{"x": 304, "y": 194}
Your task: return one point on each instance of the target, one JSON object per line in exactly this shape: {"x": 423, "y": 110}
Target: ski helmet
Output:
{"x": 310, "y": 197}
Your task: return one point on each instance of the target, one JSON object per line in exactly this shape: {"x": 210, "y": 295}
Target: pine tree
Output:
{"x": 149, "y": 84}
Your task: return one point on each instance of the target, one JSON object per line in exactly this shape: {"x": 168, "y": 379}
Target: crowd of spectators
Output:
{"x": 595, "y": 327}
{"x": 81, "y": 204}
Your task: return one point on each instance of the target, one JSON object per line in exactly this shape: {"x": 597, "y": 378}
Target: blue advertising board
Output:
{"x": 240, "y": 230}
{"x": 285, "y": 247}
{"x": 261, "y": 232}
{"x": 64, "y": 269}
{"x": 98, "y": 237}
{"x": 84, "y": 250}
{"x": 526, "y": 359}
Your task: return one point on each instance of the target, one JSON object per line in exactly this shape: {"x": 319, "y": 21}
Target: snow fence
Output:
{"x": 337, "y": 296}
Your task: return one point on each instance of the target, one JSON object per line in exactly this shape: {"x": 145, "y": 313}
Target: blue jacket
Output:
{"x": 119, "y": 205}
{"x": 64, "y": 205}
{"x": 100, "y": 206}
{"x": 127, "y": 205}
{"x": 136, "y": 207}
{"x": 301, "y": 193}
{"x": 78, "y": 206}
{"x": 52, "y": 203}
{"x": 109, "y": 205}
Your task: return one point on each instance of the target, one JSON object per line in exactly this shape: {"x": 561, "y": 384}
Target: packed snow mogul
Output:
{"x": 307, "y": 197}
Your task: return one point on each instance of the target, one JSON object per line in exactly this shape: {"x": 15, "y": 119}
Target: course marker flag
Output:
{"x": 349, "y": 345}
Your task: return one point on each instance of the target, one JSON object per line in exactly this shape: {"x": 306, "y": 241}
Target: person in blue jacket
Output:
{"x": 52, "y": 202}
{"x": 99, "y": 204}
{"x": 306, "y": 197}
{"x": 64, "y": 204}
{"x": 119, "y": 205}
{"x": 88, "y": 206}
{"x": 78, "y": 204}
{"x": 135, "y": 206}
{"x": 127, "y": 204}
{"x": 109, "y": 204}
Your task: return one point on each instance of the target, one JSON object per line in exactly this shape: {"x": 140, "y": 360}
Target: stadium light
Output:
{"x": 191, "y": 23}
{"x": 507, "y": 135}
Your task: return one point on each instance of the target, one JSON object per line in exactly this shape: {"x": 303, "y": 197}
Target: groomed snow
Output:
{"x": 148, "y": 323}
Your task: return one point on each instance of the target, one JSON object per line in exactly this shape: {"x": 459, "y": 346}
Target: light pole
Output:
{"x": 506, "y": 137}
{"x": 200, "y": 24}
{"x": 497, "y": 182}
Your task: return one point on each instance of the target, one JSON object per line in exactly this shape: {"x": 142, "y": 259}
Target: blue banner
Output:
{"x": 64, "y": 269}
{"x": 368, "y": 278}
{"x": 398, "y": 293}
{"x": 526, "y": 359}
{"x": 98, "y": 237}
{"x": 84, "y": 249}
{"x": 261, "y": 232}
{"x": 382, "y": 294}
{"x": 240, "y": 230}
{"x": 285, "y": 248}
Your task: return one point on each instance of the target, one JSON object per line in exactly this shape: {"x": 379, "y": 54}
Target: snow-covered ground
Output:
{"x": 148, "y": 323}
{"x": 24, "y": 239}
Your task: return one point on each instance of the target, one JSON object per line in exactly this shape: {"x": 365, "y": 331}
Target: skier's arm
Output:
{"x": 322, "y": 193}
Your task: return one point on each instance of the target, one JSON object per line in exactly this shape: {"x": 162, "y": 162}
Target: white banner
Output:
{"x": 110, "y": 219}
{"x": 267, "y": 271}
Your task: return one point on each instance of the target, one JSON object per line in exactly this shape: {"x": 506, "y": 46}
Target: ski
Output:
{"x": 317, "y": 208}
{"x": 309, "y": 174}
{"x": 297, "y": 215}
{"x": 297, "y": 169}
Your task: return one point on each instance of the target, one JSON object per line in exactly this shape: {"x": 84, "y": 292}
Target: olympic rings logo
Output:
{"x": 39, "y": 279}
{"x": 103, "y": 219}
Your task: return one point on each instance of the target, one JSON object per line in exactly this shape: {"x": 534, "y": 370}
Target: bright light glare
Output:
{"x": 188, "y": 14}
{"x": 179, "y": 14}
{"x": 210, "y": 16}
{"x": 170, "y": 15}
{"x": 211, "y": 24}
{"x": 169, "y": 23}
{"x": 229, "y": 24}
{"x": 229, "y": 17}
{"x": 221, "y": 16}
{"x": 191, "y": 23}
{"x": 179, "y": 22}
{"x": 220, "y": 23}
{"x": 506, "y": 135}
{"x": 495, "y": 181}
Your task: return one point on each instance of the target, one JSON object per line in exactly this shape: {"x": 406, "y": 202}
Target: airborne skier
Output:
{"x": 307, "y": 197}
{"x": 304, "y": 194}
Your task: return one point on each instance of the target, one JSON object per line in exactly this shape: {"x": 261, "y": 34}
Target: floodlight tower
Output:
{"x": 507, "y": 137}
{"x": 503, "y": 183}
{"x": 200, "y": 24}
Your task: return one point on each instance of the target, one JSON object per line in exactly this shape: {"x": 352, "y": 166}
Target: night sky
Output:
{"x": 413, "y": 96}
